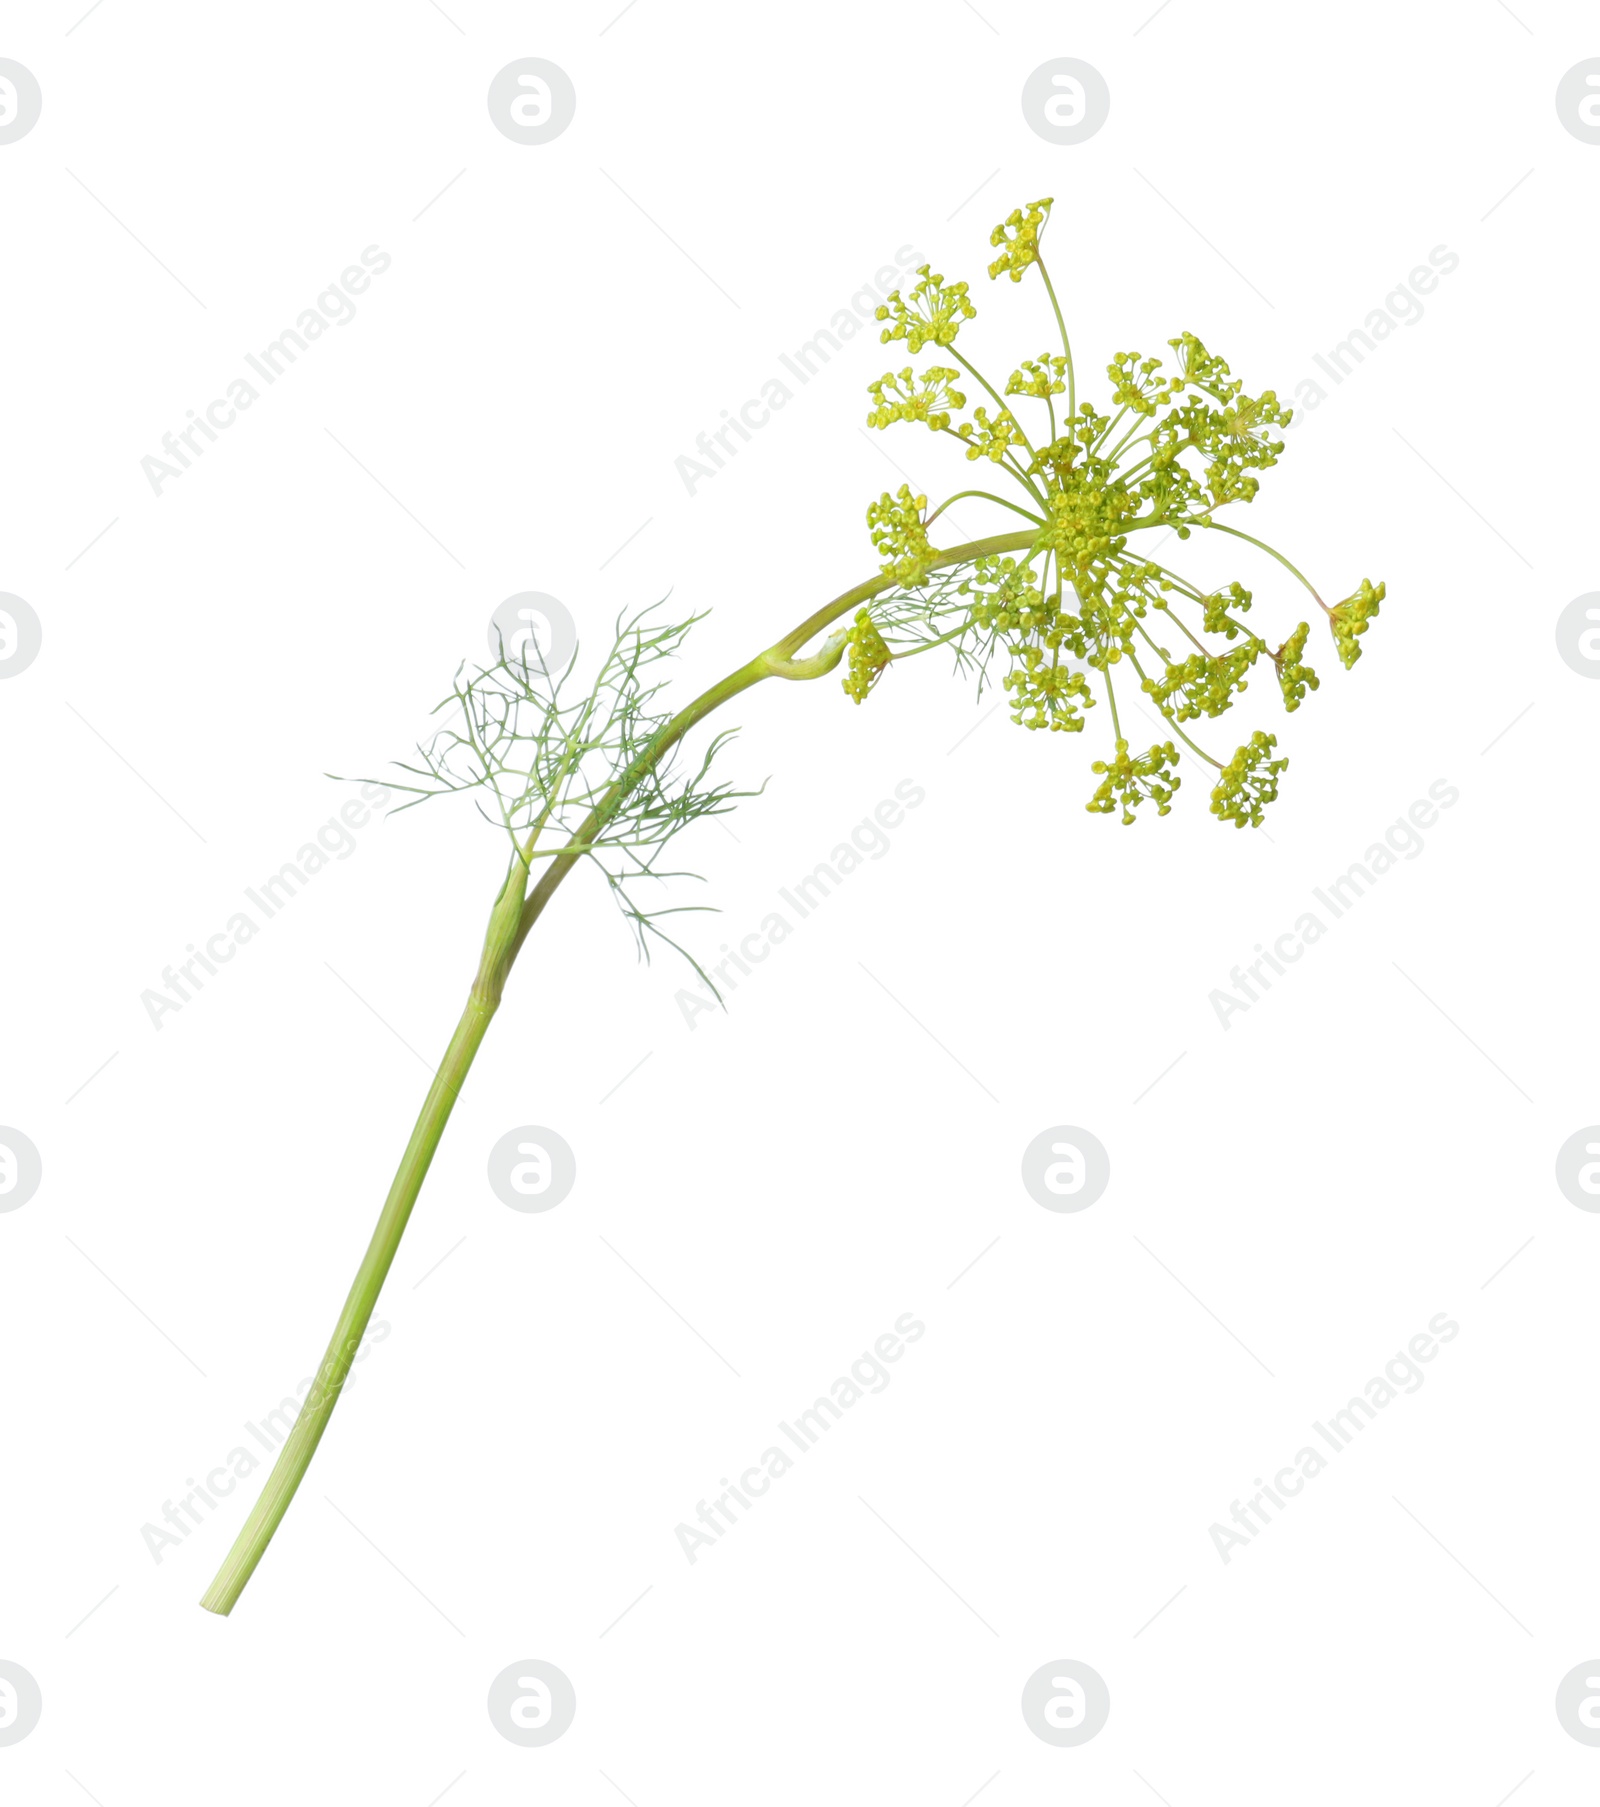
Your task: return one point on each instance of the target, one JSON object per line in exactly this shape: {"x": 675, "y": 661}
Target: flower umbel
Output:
{"x": 906, "y": 397}
{"x": 1084, "y": 604}
{"x": 988, "y": 438}
{"x": 932, "y": 316}
{"x": 1295, "y": 678}
{"x": 1249, "y": 782}
{"x": 867, "y": 656}
{"x": 1039, "y": 377}
{"x": 1128, "y": 782}
{"x": 1349, "y": 619}
{"x": 899, "y": 533}
{"x": 1019, "y": 233}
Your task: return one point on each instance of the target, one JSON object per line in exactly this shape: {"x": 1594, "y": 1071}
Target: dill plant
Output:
{"x": 1060, "y": 606}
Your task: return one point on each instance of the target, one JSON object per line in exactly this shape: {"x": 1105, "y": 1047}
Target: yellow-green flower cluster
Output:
{"x": 1295, "y": 677}
{"x": 1006, "y": 598}
{"x": 867, "y": 654}
{"x": 1106, "y": 627}
{"x": 1019, "y": 233}
{"x": 1044, "y": 692}
{"x": 1349, "y": 619}
{"x": 1086, "y": 512}
{"x": 1169, "y": 487}
{"x": 901, "y": 537}
{"x": 1039, "y": 377}
{"x": 988, "y": 438}
{"x": 1128, "y": 782}
{"x": 1216, "y": 619}
{"x": 1134, "y": 383}
{"x": 1202, "y": 684}
{"x": 1078, "y": 609}
{"x": 1200, "y": 369}
{"x": 1249, "y": 782}
{"x": 1008, "y": 607}
{"x": 905, "y": 397}
{"x": 1233, "y": 440}
{"x": 932, "y": 316}
{"x": 1053, "y": 461}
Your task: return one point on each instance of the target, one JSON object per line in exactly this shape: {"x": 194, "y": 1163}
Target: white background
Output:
{"x": 1361, "y": 1150}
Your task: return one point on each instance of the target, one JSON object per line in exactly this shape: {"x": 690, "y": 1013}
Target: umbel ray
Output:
{"x": 1062, "y": 606}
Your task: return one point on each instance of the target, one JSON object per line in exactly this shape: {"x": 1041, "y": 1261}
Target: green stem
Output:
{"x": 301, "y": 1443}
{"x": 514, "y": 914}
{"x": 988, "y": 496}
{"x": 1271, "y": 552}
{"x": 1066, "y": 344}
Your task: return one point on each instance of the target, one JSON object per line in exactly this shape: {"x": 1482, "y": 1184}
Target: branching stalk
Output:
{"x": 510, "y": 922}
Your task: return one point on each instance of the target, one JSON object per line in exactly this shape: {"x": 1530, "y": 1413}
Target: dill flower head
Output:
{"x": 1090, "y": 612}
